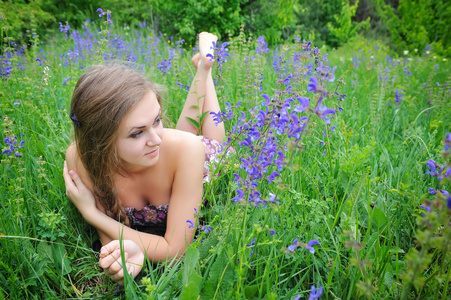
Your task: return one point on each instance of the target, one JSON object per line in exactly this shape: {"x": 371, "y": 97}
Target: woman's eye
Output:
{"x": 136, "y": 134}
{"x": 157, "y": 121}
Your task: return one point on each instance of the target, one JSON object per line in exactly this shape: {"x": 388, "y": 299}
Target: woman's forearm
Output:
{"x": 156, "y": 248}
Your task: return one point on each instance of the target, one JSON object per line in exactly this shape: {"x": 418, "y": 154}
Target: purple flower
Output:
{"x": 448, "y": 142}
{"x": 432, "y": 191}
{"x": 251, "y": 245}
{"x": 262, "y": 45}
{"x": 293, "y": 247}
{"x": 210, "y": 56}
{"x": 323, "y": 111}
{"x": 101, "y": 12}
{"x": 8, "y": 151}
{"x": 310, "y": 244}
{"x": 40, "y": 61}
{"x": 398, "y": 96}
{"x": 272, "y": 232}
{"x": 444, "y": 193}
{"x": 426, "y": 208}
{"x": 217, "y": 117}
{"x": 304, "y": 103}
{"x": 272, "y": 198}
{"x": 66, "y": 80}
{"x": 272, "y": 177}
{"x": 64, "y": 28}
{"x": 206, "y": 229}
{"x": 21, "y": 144}
{"x": 312, "y": 86}
{"x": 431, "y": 164}
{"x": 449, "y": 202}
{"x": 315, "y": 294}
{"x": 191, "y": 224}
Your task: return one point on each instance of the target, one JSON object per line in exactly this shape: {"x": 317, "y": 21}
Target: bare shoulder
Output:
{"x": 74, "y": 163}
{"x": 183, "y": 145}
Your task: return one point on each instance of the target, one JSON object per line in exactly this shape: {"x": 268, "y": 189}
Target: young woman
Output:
{"x": 124, "y": 167}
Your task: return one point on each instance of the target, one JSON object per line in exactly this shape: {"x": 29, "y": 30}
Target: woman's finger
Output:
{"x": 67, "y": 178}
{"x": 109, "y": 248}
{"x": 76, "y": 179}
{"x": 108, "y": 260}
{"x": 116, "y": 271}
{"x": 119, "y": 276}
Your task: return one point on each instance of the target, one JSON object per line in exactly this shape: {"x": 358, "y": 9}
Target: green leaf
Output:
{"x": 62, "y": 263}
{"x": 389, "y": 280}
{"x": 45, "y": 251}
{"x": 191, "y": 290}
{"x": 206, "y": 245}
{"x": 202, "y": 116}
{"x": 220, "y": 277}
{"x": 251, "y": 291}
{"x": 379, "y": 218}
{"x": 193, "y": 122}
{"x": 191, "y": 260}
{"x": 394, "y": 250}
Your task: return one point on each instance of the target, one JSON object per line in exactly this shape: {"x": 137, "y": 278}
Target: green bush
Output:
{"x": 415, "y": 24}
{"x": 20, "y": 18}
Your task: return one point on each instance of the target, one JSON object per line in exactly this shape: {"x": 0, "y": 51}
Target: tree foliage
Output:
{"x": 415, "y": 24}
{"x": 408, "y": 24}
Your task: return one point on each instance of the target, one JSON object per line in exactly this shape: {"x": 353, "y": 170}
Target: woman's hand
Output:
{"x": 111, "y": 261}
{"x": 78, "y": 193}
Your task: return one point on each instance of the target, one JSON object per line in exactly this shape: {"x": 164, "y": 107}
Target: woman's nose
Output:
{"x": 154, "y": 138}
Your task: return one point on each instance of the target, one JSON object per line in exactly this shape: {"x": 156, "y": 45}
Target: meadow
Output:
{"x": 337, "y": 186}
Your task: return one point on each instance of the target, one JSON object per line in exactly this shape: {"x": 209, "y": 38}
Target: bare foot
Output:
{"x": 206, "y": 40}
{"x": 195, "y": 60}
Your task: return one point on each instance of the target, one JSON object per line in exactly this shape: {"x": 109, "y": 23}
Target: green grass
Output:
{"x": 360, "y": 200}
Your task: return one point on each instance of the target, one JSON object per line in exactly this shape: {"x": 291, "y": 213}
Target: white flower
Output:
{"x": 409, "y": 59}
{"x": 434, "y": 57}
{"x": 416, "y": 50}
{"x": 427, "y": 52}
{"x": 444, "y": 59}
{"x": 372, "y": 57}
{"x": 406, "y": 52}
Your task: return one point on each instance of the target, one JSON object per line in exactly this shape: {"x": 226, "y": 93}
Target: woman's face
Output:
{"x": 140, "y": 135}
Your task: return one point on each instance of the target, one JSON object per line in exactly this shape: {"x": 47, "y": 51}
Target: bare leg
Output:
{"x": 202, "y": 93}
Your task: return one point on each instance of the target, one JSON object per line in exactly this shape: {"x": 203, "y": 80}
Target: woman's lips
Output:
{"x": 153, "y": 153}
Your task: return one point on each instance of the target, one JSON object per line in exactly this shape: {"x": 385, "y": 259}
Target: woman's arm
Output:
{"x": 186, "y": 195}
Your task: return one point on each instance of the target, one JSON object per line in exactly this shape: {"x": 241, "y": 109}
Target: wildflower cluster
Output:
{"x": 434, "y": 232}
{"x": 437, "y": 170}
{"x": 443, "y": 174}
{"x": 11, "y": 146}
{"x": 221, "y": 54}
{"x": 108, "y": 15}
{"x": 262, "y": 133}
{"x": 5, "y": 65}
{"x": 64, "y": 29}
{"x": 262, "y": 46}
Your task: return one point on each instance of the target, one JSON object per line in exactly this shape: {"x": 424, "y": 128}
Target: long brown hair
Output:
{"x": 102, "y": 97}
